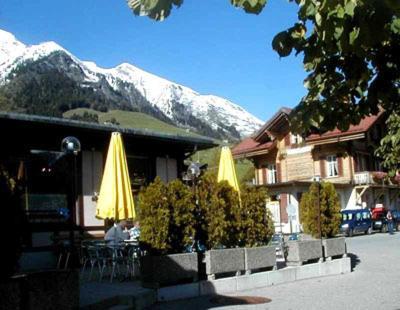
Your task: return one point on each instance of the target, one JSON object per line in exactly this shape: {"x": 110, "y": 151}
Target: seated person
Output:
{"x": 134, "y": 232}
{"x": 117, "y": 233}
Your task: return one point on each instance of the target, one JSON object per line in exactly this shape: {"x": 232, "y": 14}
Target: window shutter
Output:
{"x": 322, "y": 165}
{"x": 278, "y": 173}
{"x": 283, "y": 206}
{"x": 264, "y": 173}
{"x": 340, "y": 165}
{"x": 355, "y": 162}
{"x": 287, "y": 139}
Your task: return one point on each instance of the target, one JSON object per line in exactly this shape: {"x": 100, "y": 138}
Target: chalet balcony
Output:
{"x": 370, "y": 177}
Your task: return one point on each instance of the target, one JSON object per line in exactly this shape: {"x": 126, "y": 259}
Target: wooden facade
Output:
{"x": 286, "y": 164}
{"x": 52, "y": 197}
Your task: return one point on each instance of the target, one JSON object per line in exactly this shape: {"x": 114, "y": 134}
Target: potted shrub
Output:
{"x": 167, "y": 225}
{"x": 320, "y": 205}
{"x": 379, "y": 176}
{"x": 245, "y": 247}
{"x": 395, "y": 179}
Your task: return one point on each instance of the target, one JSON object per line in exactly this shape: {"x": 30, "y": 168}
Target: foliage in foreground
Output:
{"x": 350, "y": 52}
{"x": 389, "y": 148}
{"x": 329, "y": 206}
{"x": 10, "y": 195}
{"x": 256, "y": 225}
{"x": 173, "y": 215}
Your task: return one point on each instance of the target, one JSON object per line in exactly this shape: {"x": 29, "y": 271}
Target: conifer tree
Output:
{"x": 182, "y": 226}
{"x": 155, "y": 217}
{"x": 256, "y": 221}
{"x": 329, "y": 206}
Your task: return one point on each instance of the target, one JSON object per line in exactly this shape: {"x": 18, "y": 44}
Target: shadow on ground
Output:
{"x": 208, "y": 302}
{"x": 355, "y": 260}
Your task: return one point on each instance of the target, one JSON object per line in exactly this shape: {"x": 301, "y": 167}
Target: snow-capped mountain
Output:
{"x": 125, "y": 87}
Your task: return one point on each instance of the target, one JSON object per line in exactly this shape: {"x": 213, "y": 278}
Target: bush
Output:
{"x": 173, "y": 215}
{"x": 167, "y": 217}
{"x": 218, "y": 209}
{"x": 155, "y": 217}
{"x": 183, "y": 219}
{"x": 330, "y": 210}
{"x": 257, "y": 226}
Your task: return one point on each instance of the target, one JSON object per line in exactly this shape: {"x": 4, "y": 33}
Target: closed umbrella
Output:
{"x": 115, "y": 198}
{"x": 226, "y": 170}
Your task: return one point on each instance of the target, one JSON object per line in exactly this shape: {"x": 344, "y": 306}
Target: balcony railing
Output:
{"x": 370, "y": 177}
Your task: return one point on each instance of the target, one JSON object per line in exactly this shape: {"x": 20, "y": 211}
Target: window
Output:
{"x": 358, "y": 216}
{"x": 332, "y": 164}
{"x": 295, "y": 139}
{"x": 271, "y": 173}
{"x": 361, "y": 163}
{"x": 365, "y": 215}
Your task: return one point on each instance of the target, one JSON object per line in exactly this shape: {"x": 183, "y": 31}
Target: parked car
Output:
{"x": 277, "y": 241}
{"x": 379, "y": 221}
{"x": 294, "y": 237}
{"x": 356, "y": 221}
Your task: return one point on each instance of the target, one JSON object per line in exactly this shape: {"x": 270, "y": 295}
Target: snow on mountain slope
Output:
{"x": 171, "y": 98}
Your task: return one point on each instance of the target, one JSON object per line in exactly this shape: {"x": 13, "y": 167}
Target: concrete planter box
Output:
{"x": 300, "y": 252}
{"x": 157, "y": 271}
{"x": 334, "y": 247}
{"x": 259, "y": 258}
{"x": 224, "y": 261}
{"x": 52, "y": 289}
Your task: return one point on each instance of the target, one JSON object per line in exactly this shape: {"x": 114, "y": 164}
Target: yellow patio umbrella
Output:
{"x": 115, "y": 198}
{"x": 226, "y": 169}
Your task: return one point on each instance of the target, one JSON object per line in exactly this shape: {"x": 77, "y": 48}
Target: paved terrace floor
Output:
{"x": 373, "y": 284}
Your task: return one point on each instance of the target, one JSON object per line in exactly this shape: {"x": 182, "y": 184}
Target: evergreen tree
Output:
{"x": 329, "y": 206}
{"x": 256, "y": 226}
{"x": 155, "y": 217}
{"x": 183, "y": 218}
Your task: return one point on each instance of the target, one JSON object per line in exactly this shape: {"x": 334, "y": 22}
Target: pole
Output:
{"x": 280, "y": 214}
{"x": 73, "y": 212}
{"x": 319, "y": 212}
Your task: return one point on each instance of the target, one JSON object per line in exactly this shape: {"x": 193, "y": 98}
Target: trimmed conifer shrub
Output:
{"x": 155, "y": 218}
{"x": 329, "y": 206}
{"x": 256, "y": 224}
{"x": 167, "y": 217}
{"x": 182, "y": 222}
{"x": 218, "y": 210}
{"x": 174, "y": 215}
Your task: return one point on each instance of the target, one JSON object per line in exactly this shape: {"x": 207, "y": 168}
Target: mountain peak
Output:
{"x": 134, "y": 88}
{"x": 9, "y": 46}
{"x": 7, "y": 37}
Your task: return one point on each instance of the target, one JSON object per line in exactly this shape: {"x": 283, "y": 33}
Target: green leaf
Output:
{"x": 338, "y": 32}
{"x": 353, "y": 35}
{"x": 349, "y": 7}
{"x": 318, "y": 19}
{"x": 395, "y": 25}
{"x": 250, "y": 6}
{"x": 155, "y": 9}
{"x": 340, "y": 12}
{"x": 282, "y": 44}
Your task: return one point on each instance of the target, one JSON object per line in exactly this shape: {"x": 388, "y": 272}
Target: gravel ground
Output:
{"x": 373, "y": 284}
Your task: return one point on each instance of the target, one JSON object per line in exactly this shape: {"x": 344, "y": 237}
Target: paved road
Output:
{"x": 373, "y": 284}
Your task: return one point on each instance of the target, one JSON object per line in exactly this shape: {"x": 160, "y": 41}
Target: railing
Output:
{"x": 370, "y": 177}
{"x": 363, "y": 178}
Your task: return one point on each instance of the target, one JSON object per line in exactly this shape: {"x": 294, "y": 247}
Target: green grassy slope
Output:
{"x": 132, "y": 120}
{"x": 244, "y": 168}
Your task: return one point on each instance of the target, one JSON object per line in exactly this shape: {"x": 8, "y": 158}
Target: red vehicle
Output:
{"x": 378, "y": 216}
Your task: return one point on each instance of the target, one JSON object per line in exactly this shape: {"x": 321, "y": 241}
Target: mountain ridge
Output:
{"x": 124, "y": 86}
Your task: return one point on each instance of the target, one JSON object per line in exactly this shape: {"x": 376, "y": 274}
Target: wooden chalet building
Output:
{"x": 31, "y": 146}
{"x": 286, "y": 164}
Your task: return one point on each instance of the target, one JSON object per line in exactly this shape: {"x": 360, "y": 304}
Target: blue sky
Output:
{"x": 207, "y": 45}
